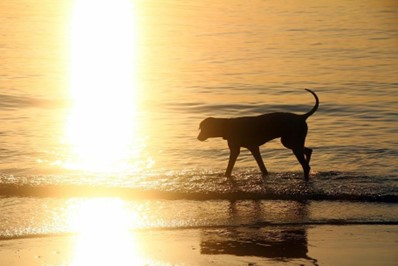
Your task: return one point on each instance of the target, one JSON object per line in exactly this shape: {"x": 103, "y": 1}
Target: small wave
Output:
{"x": 212, "y": 227}
{"x": 17, "y": 101}
{"x": 250, "y": 109}
{"x": 331, "y": 186}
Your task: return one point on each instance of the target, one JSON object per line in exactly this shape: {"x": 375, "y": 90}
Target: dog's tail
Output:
{"x": 313, "y": 110}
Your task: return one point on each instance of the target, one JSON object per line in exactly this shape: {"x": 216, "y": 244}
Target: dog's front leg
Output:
{"x": 234, "y": 151}
{"x": 256, "y": 154}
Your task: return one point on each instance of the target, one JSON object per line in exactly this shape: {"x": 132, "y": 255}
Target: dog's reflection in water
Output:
{"x": 268, "y": 240}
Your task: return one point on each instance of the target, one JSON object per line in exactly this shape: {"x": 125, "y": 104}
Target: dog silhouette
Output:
{"x": 253, "y": 131}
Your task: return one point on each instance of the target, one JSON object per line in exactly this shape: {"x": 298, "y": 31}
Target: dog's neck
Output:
{"x": 224, "y": 128}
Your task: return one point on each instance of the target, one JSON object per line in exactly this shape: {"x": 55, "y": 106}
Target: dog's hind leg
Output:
{"x": 299, "y": 153}
{"x": 303, "y": 155}
{"x": 256, "y": 154}
{"x": 233, "y": 155}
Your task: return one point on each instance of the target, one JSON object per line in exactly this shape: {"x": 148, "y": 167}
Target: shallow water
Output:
{"x": 199, "y": 60}
{"x": 200, "y": 185}
{"x": 51, "y": 216}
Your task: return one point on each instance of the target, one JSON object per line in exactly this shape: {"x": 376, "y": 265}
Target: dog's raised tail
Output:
{"x": 313, "y": 110}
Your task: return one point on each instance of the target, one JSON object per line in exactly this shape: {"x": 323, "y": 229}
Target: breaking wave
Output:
{"x": 199, "y": 185}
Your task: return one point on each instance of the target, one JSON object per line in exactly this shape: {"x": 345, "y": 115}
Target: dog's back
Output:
{"x": 257, "y": 130}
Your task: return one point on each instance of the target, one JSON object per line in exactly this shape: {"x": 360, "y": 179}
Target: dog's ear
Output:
{"x": 200, "y": 125}
{"x": 204, "y": 121}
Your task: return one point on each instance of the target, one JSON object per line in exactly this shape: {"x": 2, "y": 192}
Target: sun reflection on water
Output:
{"x": 101, "y": 131}
{"x": 103, "y": 232}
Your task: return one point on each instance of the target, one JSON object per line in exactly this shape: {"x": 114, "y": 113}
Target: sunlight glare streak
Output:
{"x": 103, "y": 234}
{"x": 102, "y": 124}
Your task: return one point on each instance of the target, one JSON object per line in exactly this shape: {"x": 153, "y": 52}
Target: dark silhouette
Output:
{"x": 277, "y": 242}
{"x": 252, "y": 132}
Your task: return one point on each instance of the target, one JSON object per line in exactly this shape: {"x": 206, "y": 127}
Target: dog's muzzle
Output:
{"x": 201, "y": 137}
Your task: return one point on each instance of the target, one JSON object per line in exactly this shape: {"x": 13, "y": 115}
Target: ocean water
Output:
{"x": 68, "y": 141}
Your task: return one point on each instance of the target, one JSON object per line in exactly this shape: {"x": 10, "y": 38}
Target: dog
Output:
{"x": 254, "y": 131}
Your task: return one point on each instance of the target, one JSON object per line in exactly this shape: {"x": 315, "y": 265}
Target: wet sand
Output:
{"x": 273, "y": 245}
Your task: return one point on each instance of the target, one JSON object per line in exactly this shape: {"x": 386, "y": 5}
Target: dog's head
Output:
{"x": 209, "y": 128}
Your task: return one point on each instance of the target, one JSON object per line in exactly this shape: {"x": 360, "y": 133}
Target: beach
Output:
{"x": 322, "y": 245}
{"x": 113, "y": 231}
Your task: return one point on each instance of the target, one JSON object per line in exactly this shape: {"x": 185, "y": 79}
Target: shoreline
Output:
{"x": 215, "y": 227}
{"x": 268, "y": 245}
